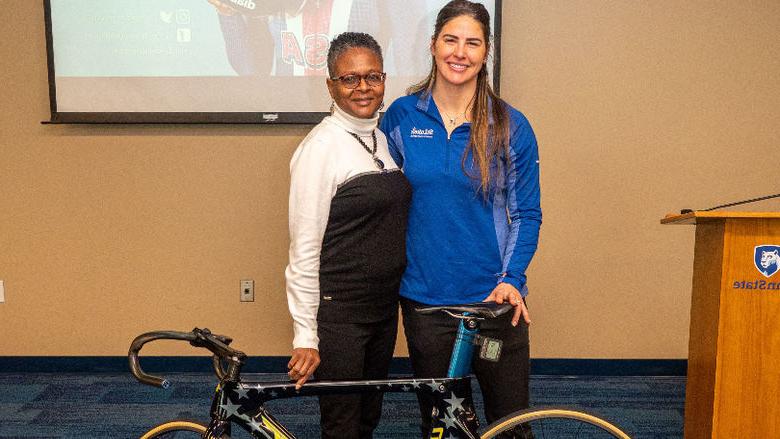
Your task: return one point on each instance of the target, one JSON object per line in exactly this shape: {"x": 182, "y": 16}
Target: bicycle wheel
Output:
{"x": 554, "y": 423}
{"x": 176, "y": 429}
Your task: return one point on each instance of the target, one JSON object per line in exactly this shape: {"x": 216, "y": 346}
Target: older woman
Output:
{"x": 348, "y": 210}
{"x": 474, "y": 221}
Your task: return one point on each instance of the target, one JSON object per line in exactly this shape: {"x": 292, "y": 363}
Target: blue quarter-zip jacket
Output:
{"x": 460, "y": 245}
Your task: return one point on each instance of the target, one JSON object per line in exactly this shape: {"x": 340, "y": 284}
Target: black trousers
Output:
{"x": 353, "y": 351}
{"x": 504, "y": 384}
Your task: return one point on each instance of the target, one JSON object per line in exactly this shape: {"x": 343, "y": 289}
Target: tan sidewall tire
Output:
{"x": 173, "y": 426}
{"x": 528, "y": 416}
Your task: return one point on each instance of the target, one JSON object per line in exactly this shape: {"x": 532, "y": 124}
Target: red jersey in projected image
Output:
{"x": 302, "y": 37}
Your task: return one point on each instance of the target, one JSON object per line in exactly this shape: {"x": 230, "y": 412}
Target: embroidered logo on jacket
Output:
{"x": 418, "y": 133}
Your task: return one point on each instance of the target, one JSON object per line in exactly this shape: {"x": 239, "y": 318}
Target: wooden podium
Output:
{"x": 733, "y": 386}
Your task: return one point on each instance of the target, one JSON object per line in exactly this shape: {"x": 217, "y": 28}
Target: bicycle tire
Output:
{"x": 172, "y": 429}
{"x": 597, "y": 427}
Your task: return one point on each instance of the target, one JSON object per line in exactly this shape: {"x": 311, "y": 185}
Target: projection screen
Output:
{"x": 223, "y": 61}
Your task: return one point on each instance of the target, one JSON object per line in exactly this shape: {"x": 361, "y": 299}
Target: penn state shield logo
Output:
{"x": 767, "y": 259}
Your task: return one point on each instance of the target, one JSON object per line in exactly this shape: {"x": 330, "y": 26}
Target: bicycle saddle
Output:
{"x": 485, "y": 310}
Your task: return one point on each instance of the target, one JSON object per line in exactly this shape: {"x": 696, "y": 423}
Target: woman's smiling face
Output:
{"x": 460, "y": 51}
{"x": 364, "y": 100}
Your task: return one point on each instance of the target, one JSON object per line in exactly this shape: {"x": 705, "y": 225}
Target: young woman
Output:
{"x": 348, "y": 212}
{"x": 474, "y": 220}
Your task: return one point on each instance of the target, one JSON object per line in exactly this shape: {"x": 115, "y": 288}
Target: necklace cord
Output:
{"x": 457, "y": 116}
{"x": 377, "y": 161}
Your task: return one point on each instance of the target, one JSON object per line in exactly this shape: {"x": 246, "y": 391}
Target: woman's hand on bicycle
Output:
{"x": 302, "y": 365}
{"x": 505, "y": 292}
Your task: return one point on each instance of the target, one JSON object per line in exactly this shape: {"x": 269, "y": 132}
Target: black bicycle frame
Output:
{"x": 243, "y": 402}
{"x": 453, "y": 409}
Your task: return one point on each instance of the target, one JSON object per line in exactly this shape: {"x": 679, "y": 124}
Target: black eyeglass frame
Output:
{"x": 361, "y": 78}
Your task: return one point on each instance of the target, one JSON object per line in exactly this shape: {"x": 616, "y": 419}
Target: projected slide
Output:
{"x": 266, "y": 57}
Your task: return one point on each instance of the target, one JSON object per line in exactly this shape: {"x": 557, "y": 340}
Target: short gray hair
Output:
{"x": 350, "y": 40}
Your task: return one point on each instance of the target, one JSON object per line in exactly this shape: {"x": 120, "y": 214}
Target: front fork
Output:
{"x": 256, "y": 420}
{"x": 219, "y": 425}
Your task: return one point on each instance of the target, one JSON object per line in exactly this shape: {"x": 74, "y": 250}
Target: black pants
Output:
{"x": 353, "y": 351}
{"x": 504, "y": 384}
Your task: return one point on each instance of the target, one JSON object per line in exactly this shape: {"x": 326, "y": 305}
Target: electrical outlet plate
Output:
{"x": 247, "y": 290}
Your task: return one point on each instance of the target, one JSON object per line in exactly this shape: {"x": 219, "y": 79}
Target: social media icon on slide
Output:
{"x": 166, "y": 16}
{"x": 183, "y": 16}
{"x": 183, "y": 35}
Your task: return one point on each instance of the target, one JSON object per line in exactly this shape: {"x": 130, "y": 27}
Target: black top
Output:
{"x": 363, "y": 251}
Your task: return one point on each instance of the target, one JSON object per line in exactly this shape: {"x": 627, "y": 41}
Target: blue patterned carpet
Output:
{"x": 116, "y": 406}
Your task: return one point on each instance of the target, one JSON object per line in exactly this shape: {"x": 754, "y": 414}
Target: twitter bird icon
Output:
{"x": 166, "y": 17}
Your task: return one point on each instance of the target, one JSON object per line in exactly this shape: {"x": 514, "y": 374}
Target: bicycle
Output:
{"x": 241, "y": 402}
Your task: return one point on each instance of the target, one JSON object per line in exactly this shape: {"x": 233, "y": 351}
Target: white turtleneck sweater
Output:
{"x": 330, "y": 160}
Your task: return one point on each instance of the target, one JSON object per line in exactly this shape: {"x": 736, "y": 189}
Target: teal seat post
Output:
{"x": 463, "y": 348}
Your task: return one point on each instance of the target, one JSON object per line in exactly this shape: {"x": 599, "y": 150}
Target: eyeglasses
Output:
{"x": 373, "y": 79}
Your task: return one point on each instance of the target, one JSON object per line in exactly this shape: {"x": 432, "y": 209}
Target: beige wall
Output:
{"x": 640, "y": 107}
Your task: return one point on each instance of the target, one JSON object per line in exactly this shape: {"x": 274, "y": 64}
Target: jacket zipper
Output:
{"x": 447, "y": 153}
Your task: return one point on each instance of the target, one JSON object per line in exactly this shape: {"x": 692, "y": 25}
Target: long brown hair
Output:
{"x": 485, "y": 145}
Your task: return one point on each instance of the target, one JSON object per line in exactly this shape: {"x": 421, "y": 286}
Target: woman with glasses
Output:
{"x": 474, "y": 221}
{"x": 348, "y": 210}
